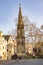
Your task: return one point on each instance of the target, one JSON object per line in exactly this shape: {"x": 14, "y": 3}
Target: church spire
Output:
{"x": 20, "y": 33}
{"x": 20, "y": 14}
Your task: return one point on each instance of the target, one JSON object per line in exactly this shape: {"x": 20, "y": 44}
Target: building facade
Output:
{"x": 29, "y": 48}
{"x": 6, "y": 47}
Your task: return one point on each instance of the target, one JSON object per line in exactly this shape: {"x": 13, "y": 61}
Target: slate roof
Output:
{"x": 6, "y": 37}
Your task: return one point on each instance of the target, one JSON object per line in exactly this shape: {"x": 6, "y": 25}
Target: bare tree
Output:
{"x": 32, "y": 33}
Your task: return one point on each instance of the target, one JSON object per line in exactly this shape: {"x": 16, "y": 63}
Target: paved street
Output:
{"x": 23, "y": 62}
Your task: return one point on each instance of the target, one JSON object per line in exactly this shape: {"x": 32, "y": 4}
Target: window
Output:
{"x": 3, "y": 41}
{"x": 0, "y": 56}
{"x": 0, "y": 47}
{"x": 3, "y": 47}
{"x": 3, "y": 53}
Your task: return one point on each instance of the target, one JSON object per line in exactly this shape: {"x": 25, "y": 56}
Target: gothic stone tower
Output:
{"x": 20, "y": 33}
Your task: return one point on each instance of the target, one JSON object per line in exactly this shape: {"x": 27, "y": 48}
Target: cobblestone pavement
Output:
{"x": 23, "y": 62}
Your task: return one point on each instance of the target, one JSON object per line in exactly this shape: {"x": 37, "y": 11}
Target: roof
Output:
{"x": 6, "y": 37}
{"x": 0, "y": 31}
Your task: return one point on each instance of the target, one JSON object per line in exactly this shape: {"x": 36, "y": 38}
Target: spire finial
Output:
{"x": 19, "y": 5}
{"x": 20, "y": 14}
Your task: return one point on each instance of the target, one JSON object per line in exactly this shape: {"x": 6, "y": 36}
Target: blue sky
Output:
{"x": 9, "y": 11}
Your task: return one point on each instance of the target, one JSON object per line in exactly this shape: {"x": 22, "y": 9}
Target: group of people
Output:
{"x": 15, "y": 57}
